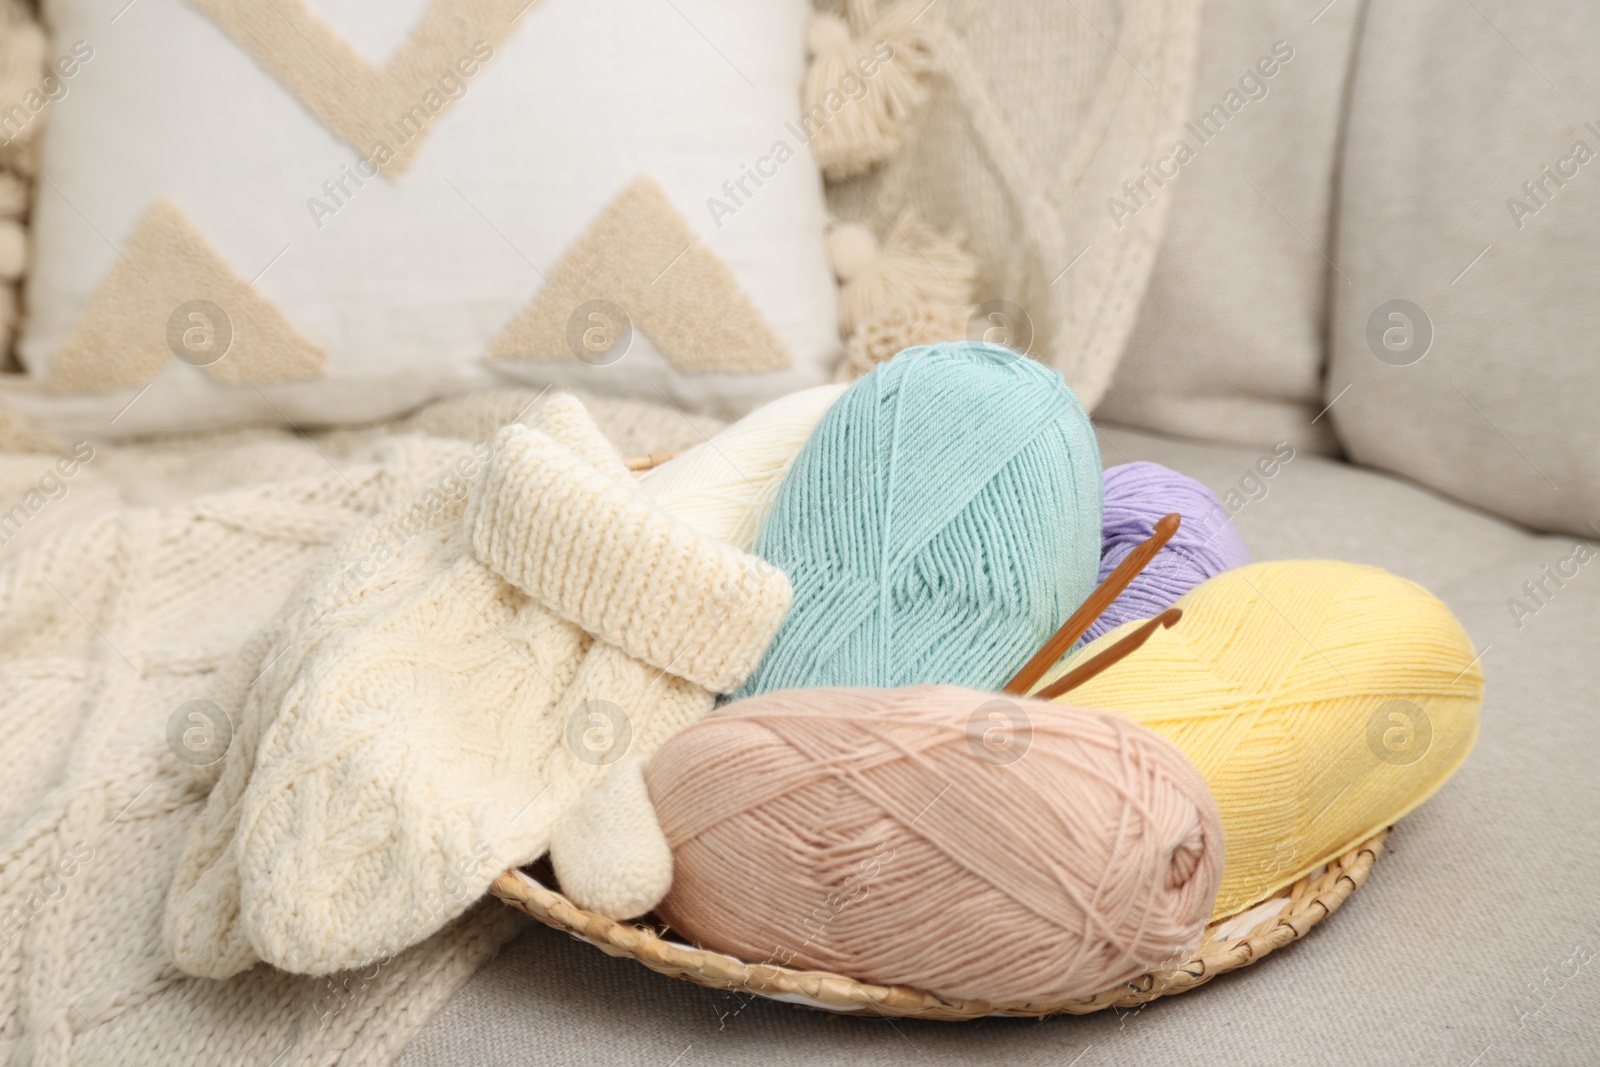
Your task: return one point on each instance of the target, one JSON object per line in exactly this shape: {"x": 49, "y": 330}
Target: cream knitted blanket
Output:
{"x": 113, "y": 616}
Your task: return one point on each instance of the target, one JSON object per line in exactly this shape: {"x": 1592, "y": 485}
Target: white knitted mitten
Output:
{"x": 564, "y": 621}
{"x": 609, "y": 851}
{"x": 200, "y": 928}
{"x": 377, "y": 562}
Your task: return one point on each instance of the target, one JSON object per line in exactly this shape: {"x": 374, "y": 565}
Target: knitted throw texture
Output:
{"x": 108, "y": 626}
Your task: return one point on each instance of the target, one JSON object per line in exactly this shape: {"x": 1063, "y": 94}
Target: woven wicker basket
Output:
{"x": 1235, "y": 942}
{"x": 1226, "y": 947}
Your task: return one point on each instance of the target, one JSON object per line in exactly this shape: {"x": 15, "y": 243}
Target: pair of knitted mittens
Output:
{"x": 432, "y": 706}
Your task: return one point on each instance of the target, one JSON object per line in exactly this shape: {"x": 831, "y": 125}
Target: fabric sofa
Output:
{"x": 1475, "y": 939}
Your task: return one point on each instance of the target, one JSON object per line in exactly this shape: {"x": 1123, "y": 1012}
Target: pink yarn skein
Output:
{"x": 975, "y": 846}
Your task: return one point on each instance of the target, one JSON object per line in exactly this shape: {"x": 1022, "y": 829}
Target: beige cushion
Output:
{"x": 1037, "y": 113}
{"x": 1462, "y": 941}
{"x": 1500, "y": 410}
{"x": 1229, "y": 342}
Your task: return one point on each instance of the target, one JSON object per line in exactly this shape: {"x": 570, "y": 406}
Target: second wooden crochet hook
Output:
{"x": 1079, "y": 622}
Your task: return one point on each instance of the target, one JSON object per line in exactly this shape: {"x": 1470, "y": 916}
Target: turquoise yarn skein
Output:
{"x": 938, "y": 526}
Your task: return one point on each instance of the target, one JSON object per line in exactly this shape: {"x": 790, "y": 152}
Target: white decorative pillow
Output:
{"x": 332, "y": 210}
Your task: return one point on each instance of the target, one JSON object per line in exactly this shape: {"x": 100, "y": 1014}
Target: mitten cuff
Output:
{"x": 564, "y": 418}
{"x": 602, "y": 555}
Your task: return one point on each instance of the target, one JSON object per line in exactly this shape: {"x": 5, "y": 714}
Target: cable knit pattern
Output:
{"x": 546, "y": 620}
{"x": 106, "y": 628}
{"x": 202, "y": 930}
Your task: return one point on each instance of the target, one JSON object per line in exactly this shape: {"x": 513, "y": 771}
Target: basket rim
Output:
{"x": 1309, "y": 901}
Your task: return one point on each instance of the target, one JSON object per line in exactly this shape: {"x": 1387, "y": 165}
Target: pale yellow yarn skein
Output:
{"x": 1320, "y": 700}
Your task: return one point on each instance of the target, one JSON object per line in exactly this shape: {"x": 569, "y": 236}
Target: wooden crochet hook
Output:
{"x": 1110, "y": 656}
{"x": 639, "y": 464}
{"x": 1099, "y": 600}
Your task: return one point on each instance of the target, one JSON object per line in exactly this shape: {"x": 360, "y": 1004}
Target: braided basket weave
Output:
{"x": 1224, "y": 949}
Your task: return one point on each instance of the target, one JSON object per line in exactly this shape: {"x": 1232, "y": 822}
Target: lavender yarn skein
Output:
{"x": 1206, "y": 544}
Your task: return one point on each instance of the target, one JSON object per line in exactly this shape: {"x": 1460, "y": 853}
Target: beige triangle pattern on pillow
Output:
{"x": 171, "y": 295}
{"x": 384, "y": 112}
{"x": 640, "y": 257}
